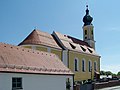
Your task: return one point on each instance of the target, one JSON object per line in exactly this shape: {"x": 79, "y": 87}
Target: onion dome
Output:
{"x": 87, "y": 19}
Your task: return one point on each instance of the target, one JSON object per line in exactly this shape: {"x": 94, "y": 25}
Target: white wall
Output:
{"x": 34, "y": 82}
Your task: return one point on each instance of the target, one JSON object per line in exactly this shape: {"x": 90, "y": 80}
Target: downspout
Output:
{"x": 62, "y": 55}
{"x": 69, "y": 68}
{"x": 73, "y": 82}
{"x": 68, "y": 58}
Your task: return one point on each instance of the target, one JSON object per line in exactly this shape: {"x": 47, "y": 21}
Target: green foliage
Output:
{"x": 107, "y": 73}
{"x": 114, "y": 75}
{"x": 68, "y": 85}
{"x": 118, "y": 73}
{"x": 102, "y": 72}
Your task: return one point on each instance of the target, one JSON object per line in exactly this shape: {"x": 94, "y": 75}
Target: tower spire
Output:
{"x": 87, "y": 11}
{"x": 88, "y": 34}
{"x": 87, "y": 19}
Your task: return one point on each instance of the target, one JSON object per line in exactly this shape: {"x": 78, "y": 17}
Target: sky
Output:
{"x": 19, "y": 17}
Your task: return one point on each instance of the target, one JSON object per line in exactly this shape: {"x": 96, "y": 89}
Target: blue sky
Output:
{"x": 19, "y": 17}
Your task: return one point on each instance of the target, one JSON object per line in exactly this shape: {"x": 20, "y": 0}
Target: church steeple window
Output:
{"x": 92, "y": 32}
{"x": 85, "y": 37}
{"x": 85, "y": 32}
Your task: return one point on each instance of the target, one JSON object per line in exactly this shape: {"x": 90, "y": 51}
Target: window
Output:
{"x": 90, "y": 50}
{"x": 16, "y": 83}
{"x": 85, "y": 32}
{"x": 95, "y": 66}
{"x": 83, "y": 65}
{"x": 92, "y": 32}
{"x": 73, "y": 46}
{"x": 49, "y": 49}
{"x": 90, "y": 66}
{"x": 76, "y": 64}
{"x": 83, "y": 48}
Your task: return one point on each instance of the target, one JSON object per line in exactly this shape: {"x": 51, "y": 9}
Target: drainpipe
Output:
{"x": 68, "y": 58}
{"x": 73, "y": 82}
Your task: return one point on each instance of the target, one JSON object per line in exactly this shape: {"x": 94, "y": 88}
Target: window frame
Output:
{"x": 83, "y": 49}
{"x": 17, "y": 81}
{"x": 89, "y": 65}
{"x": 76, "y": 64}
{"x": 92, "y": 32}
{"x": 83, "y": 65}
{"x": 73, "y": 46}
{"x": 95, "y": 66}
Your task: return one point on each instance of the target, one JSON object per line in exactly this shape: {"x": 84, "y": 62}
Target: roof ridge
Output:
{"x": 38, "y": 37}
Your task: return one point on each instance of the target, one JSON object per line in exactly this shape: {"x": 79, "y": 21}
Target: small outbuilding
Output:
{"x": 27, "y": 69}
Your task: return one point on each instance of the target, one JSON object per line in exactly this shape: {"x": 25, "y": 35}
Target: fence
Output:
{"x": 84, "y": 87}
{"x": 106, "y": 84}
{"x": 97, "y": 85}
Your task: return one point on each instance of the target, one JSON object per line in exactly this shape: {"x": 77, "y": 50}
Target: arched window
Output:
{"x": 83, "y": 65}
{"x": 89, "y": 65}
{"x": 95, "y": 66}
{"x": 76, "y": 64}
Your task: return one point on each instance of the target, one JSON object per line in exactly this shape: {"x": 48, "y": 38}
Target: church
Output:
{"x": 78, "y": 55}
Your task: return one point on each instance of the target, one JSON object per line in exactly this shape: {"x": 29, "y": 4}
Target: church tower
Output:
{"x": 88, "y": 33}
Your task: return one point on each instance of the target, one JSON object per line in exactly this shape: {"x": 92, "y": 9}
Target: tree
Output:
{"x": 102, "y": 72}
{"x": 114, "y": 75}
{"x": 118, "y": 73}
{"x": 108, "y": 73}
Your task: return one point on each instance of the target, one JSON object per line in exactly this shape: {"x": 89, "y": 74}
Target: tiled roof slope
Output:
{"x": 37, "y": 37}
{"x": 23, "y": 60}
{"x": 74, "y": 44}
{"x": 78, "y": 41}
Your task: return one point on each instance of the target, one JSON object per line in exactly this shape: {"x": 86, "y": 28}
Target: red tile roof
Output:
{"x": 78, "y": 41}
{"x": 74, "y": 44}
{"x": 37, "y": 37}
{"x": 23, "y": 60}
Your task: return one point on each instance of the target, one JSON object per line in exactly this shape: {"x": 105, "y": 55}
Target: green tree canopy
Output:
{"x": 106, "y": 73}
{"x": 118, "y": 73}
{"x": 109, "y": 73}
{"x": 102, "y": 72}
